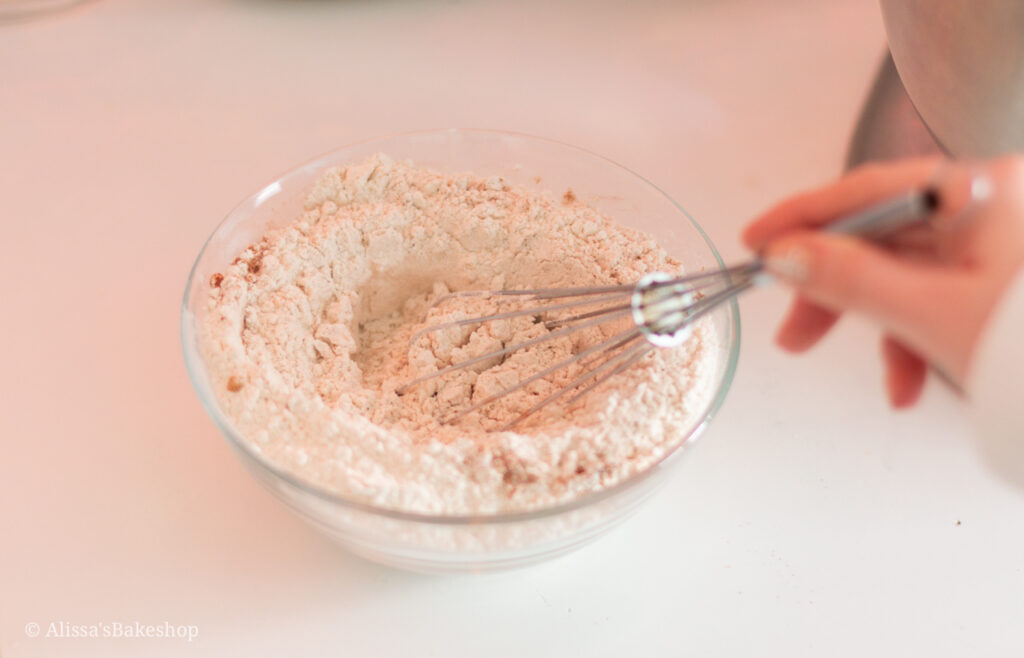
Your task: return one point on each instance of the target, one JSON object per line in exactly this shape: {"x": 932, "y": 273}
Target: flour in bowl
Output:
{"x": 306, "y": 338}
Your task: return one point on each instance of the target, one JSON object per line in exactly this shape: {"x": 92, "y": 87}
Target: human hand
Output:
{"x": 931, "y": 288}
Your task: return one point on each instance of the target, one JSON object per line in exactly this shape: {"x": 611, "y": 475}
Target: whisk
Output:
{"x": 663, "y": 309}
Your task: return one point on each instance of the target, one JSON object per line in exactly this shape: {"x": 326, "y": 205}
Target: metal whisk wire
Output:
{"x": 663, "y": 307}
{"x": 659, "y": 302}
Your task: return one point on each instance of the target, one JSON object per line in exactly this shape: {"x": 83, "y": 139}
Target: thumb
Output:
{"x": 912, "y": 301}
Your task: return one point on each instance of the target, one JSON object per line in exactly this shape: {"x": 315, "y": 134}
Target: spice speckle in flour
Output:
{"x": 310, "y": 331}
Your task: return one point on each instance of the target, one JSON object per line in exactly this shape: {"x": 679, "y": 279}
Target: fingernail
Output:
{"x": 981, "y": 188}
{"x": 791, "y": 263}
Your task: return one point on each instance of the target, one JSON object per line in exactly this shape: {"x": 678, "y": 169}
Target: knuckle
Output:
{"x": 870, "y": 174}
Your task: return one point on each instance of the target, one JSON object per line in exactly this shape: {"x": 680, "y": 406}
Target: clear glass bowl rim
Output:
{"x": 193, "y": 359}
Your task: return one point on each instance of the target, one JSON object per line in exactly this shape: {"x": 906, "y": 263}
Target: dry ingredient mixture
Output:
{"x": 307, "y": 336}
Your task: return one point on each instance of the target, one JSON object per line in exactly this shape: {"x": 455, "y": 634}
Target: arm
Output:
{"x": 995, "y": 386}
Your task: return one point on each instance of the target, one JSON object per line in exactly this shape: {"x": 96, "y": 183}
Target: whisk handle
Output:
{"x": 872, "y": 223}
{"x": 885, "y": 218}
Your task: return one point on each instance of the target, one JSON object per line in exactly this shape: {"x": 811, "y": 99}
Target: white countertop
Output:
{"x": 810, "y": 521}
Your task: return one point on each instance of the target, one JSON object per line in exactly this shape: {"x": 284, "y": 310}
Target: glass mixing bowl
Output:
{"x": 427, "y": 542}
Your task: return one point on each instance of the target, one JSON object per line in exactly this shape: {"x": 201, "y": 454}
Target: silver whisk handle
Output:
{"x": 887, "y": 217}
{"x": 876, "y": 222}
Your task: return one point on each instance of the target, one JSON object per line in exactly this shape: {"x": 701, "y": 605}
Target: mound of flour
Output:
{"x": 307, "y": 337}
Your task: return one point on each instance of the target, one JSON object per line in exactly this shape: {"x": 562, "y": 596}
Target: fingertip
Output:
{"x": 905, "y": 374}
{"x": 749, "y": 238}
{"x": 754, "y": 234}
{"x": 904, "y": 397}
{"x": 788, "y": 258}
{"x": 805, "y": 325}
{"x": 788, "y": 341}
{"x": 779, "y": 219}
